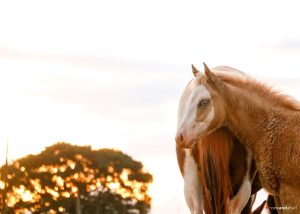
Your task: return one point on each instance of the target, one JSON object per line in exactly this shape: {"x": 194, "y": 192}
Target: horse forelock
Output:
{"x": 214, "y": 155}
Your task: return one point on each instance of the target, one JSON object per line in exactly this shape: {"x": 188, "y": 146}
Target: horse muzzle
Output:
{"x": 184, "y": 141}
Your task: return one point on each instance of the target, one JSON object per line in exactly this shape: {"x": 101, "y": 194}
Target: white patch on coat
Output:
{"x": 187, "y": 112}
{"x": 192, "y": 186}
{"x": 239, "y": 201}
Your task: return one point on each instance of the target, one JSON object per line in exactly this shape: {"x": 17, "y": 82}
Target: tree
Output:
{"x": 76, "y": 179}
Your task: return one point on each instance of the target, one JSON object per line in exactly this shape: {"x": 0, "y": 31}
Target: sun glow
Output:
{"x": 64, "y": 187}
{"x": 2, "y": 185}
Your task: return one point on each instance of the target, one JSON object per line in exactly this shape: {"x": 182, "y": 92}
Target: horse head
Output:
{"x": 201, "y": 108}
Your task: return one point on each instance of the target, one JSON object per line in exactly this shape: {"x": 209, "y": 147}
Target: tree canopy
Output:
{"x": 65, "y": 178}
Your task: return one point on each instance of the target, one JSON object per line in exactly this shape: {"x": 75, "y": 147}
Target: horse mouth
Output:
{"x": 183, "y": 145}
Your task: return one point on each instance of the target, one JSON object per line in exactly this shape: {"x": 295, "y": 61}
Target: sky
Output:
{"x": 110, "y": 73}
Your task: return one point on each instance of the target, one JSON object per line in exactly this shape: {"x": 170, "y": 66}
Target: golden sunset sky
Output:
{"x": 110, "y": 73}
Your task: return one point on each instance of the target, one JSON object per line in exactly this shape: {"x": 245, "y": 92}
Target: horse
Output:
{"x": 271, "y": 132}
{"x": 219, "y": 175}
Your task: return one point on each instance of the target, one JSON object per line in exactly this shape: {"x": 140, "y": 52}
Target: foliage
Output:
{"x": 76, "y": 179}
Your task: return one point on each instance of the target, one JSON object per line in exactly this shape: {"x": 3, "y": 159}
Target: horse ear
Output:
{"x": 211, "y": 76}
{"x": 208, "y": 72}
{"x": 195, "y": 70}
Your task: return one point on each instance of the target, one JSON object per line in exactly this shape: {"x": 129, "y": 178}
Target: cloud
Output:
{"x": 131, "y": 104}
{"x": 110, "y": 86}
{"x": 283, "y": 45}
{"x": 94, "y": 97}
{"x": 291, "y": 44}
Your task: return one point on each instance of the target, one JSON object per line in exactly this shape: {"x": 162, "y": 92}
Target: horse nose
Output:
{"x": 179, "y": 140}
{"x": 184, "y": 140}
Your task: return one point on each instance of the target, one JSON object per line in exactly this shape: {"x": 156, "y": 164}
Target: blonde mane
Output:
{"x": 238, "y": 78}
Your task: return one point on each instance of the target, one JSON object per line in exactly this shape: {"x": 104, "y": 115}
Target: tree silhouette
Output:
{"x": 66, "y": 178}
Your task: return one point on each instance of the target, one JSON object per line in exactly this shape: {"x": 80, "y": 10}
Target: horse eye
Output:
{"x": 204, "y": 102}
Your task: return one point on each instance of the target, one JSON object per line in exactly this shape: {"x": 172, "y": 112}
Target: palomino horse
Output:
{"x": 218, "y": 175}
{"x": 225, "y": 99}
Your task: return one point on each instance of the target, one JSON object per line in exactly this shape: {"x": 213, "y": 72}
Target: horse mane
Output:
{"x": 213, "y": 158}
{"x": 238, "y": 78}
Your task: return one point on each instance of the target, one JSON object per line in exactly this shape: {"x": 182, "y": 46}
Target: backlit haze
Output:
{"x": 110, "y": 73}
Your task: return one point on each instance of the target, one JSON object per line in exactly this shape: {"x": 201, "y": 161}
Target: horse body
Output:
{"x": 272, "y": 134}
{"x": 270, "y": 127}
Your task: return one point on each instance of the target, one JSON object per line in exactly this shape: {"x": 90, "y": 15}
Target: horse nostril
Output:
{"x": 179, "y": 139}
{"x": 184, "y": 140}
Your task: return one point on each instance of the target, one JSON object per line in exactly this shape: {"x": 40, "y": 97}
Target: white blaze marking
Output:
{"x": 188, "y": 110}
{"x": 187, "y": 113}
{"x": 192, "y": 186}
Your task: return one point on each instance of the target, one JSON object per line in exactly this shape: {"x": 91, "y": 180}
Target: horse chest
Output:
{"x": 268, "y": 178}
{"x": 192, "y": 186}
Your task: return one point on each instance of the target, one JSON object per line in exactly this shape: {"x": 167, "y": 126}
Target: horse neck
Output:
{"x": 250, "y": 116}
